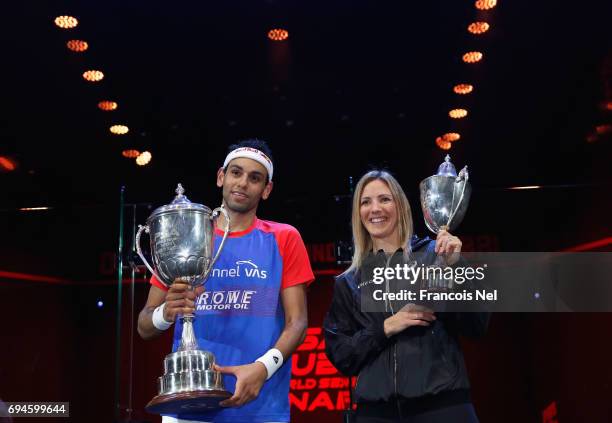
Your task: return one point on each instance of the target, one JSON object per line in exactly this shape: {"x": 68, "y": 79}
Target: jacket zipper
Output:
{"x": 395, "y": 344}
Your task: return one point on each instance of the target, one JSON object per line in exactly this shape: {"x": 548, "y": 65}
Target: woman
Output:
{"x": 408, "y": 361}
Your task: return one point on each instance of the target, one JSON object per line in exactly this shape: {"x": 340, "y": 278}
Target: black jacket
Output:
{"x": 417, "y": 361}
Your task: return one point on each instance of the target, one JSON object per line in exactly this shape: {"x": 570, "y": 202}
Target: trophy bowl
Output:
{"x": 182, "y": 243}
{"x": 445, "y": 197}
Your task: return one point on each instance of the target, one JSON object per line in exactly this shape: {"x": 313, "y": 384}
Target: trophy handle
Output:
{"x": 139, "y": 251}
{"x": 215, "y": 214}
{"x": 462, "y": 177}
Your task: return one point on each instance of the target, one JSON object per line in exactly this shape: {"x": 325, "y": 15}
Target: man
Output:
{"x": 252, "y": 314}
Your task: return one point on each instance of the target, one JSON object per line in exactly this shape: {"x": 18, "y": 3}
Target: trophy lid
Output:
{"x": 447, "y": 168}
{"x": 180, "y": 202}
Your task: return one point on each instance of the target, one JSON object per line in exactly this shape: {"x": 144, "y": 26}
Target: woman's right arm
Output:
{"x": 348, "y": 344}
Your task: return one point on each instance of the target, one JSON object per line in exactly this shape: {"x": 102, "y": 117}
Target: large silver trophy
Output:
{"x": 182, "y": 240}
{"x": 444, "y": 200}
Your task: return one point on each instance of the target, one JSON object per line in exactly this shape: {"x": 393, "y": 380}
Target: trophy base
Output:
{"x": 187, "y": 402}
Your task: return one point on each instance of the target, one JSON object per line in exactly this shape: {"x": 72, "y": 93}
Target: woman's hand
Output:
{"x": 449, "y": 246}
{"x": 409, "y": 315}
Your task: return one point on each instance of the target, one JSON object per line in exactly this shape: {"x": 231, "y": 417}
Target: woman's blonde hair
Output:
{"x": 362, "y": 241}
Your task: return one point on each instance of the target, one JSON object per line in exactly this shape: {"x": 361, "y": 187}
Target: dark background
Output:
{"x": 357, "y": 84}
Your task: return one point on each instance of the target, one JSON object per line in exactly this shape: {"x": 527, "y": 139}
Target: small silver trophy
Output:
{"x": 182, "y": 240}
{"x": 444, "y": 200}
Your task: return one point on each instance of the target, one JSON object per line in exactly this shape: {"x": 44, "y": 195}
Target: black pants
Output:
{"x": 395, "y": 412}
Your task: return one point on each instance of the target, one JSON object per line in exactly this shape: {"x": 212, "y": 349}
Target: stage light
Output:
{"x": 527, "y": 187}
{"x": 458, "y": 113}
{"x": 7, "y": 164}
{"x": 107, "y": 106}
{"x": 478, "y": 27}
{"x": 34, "y": 208}
{"x": 463, "y": 88}
{"x": 485, "y": 4}
{"x": 444, "y": 145}
{"x": 451, "y": 136}
{"x": 93, "y": 75}
{"x": 472, "y": 57}
{"x": 608, "y": 105}
{"x": 278, "y": 34}
{"x": 119, "y": 129}
{"x": 143, "y": 159}
{"x": 77, "y": 45}
{"x": 130, "y": 154}
{"x": 100, "y": 303}
{"x": 66, "y": 22}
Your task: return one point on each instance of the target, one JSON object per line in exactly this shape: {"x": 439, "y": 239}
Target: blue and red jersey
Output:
{"x": 240, "y": 315}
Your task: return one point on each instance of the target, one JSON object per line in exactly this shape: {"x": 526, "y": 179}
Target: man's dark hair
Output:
{"x": 253, "y": 143}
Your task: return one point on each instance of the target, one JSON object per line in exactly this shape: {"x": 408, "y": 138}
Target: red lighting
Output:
{"x": 7, "y": 164}
{"x": 278, "y": 34}
{"x": 77, "y": 45}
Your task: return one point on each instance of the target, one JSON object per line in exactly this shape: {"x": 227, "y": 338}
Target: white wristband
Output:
{"x": 273, "y": 360}
{"x": 158, "y": 318}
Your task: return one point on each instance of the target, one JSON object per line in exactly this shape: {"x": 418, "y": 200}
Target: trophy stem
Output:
{"x": 188, "y": 339}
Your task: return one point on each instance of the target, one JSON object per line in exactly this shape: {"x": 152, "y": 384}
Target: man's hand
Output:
{"x": 180, "y": 300}
{"x": 448, "y": 246}
{"x": 409, "y": 315}
{"x": 249, "y": 380}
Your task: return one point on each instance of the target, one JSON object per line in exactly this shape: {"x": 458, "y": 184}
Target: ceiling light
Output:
{"x": 130, "y": 154}
{"x": 478, "y": 27}
{"x": 485, "y": 4}
{"x": 93, "y": 75}
{"x": 472, "y": 57}
{"x": 444, "y": 145}
{"x": 66, "y": 22}
{"x": 278, "y": 34}
{"x": 77, "y": 45}
{"x": 119, "y": 129}
{"x": 107, "y": 106}
{"x": 463, "y": 88}
{"x": 451, "y": 136}
{"x": 458, "y": 113}
{"x": 143, "y": 159}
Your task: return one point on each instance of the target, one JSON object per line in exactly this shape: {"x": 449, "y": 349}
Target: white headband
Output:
{"x": 253, "y": 154}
